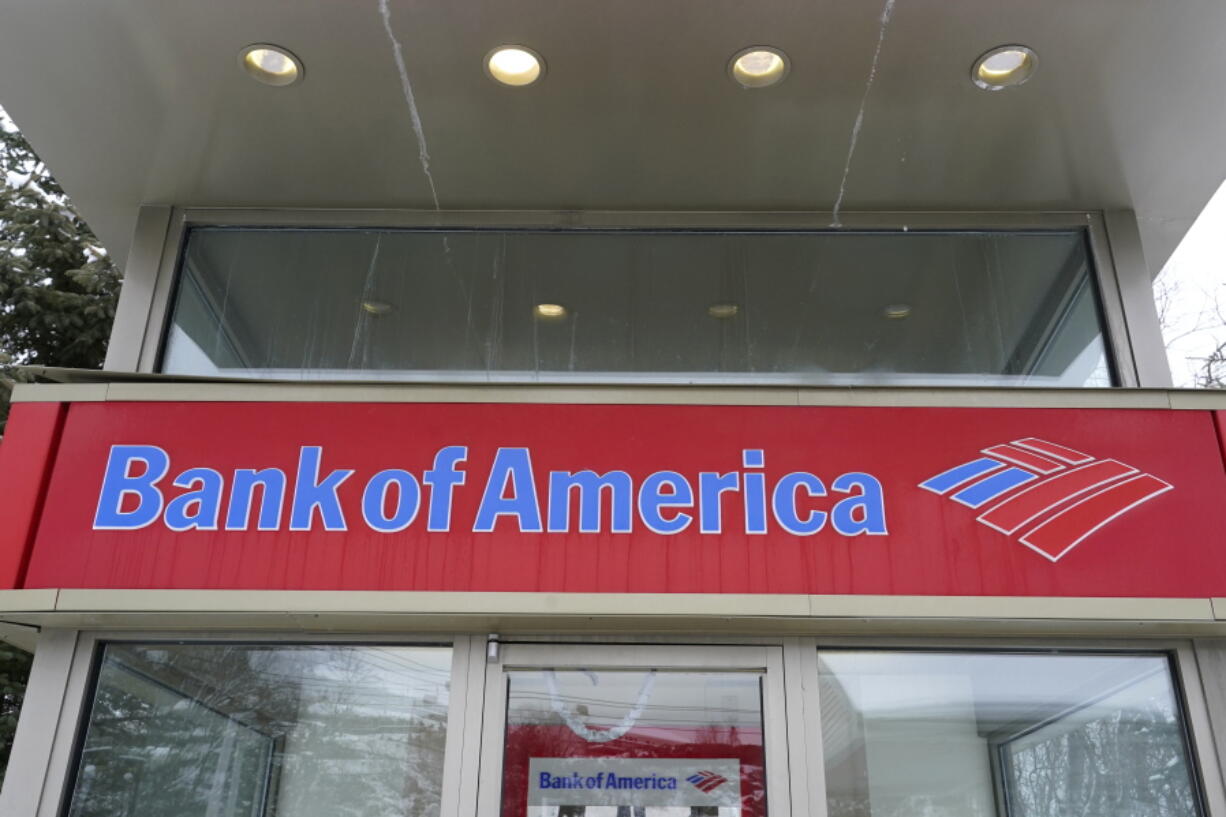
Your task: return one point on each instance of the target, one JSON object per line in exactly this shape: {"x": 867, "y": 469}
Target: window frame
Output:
{"x": 780, "y": 747}
{"x": 75, "y": 679}
{"x": 66, "y": 661}
{"x": 1136, "y": 355}
{"x": 1194, "y": 725}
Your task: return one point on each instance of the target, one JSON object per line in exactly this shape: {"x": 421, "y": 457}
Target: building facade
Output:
{"x": 556, "y": 445}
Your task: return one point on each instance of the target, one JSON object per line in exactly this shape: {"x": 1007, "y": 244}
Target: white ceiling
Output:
{"x": 141, "y": 101}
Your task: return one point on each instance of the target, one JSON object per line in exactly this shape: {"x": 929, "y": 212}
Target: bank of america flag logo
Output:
{"x": 1048, "y": 497}
{"x": 707, "y": 782}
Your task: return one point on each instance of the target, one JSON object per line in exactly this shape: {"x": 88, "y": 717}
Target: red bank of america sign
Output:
{"x": 698, "y": 499}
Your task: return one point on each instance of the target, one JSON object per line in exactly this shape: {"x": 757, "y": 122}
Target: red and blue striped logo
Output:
{"x": 1048, "y": 497}
{"x": 707, "y": 781}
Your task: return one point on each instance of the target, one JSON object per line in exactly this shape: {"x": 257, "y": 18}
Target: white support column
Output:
{"x": 123, "y": 354}
{"x": 1210, "y": 666}
{"x": 1137, "y": 299}
{"x": 806, "y": 763}
{"x": 38, "y": 725}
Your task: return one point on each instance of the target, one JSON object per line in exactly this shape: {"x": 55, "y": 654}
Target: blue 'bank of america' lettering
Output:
{"x": 134, "y": 495}
{"x": 606, "y": 780}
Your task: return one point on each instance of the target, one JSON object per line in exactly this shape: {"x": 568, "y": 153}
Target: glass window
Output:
{"x": 584, "y": 743}
{"x": 895, "y": 308}
{"x": 195, "y": 730}
{"x": 1016, "y": 735}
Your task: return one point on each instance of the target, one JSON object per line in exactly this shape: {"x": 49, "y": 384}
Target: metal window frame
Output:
{"x": 50, "y": 728}
{"x": 1121, "y": 277}
{"x": 66, "y": 662}
{"x": 52, "y": 721}
{"x": 781, "y": 758}
{"x": 1187, "y": 680}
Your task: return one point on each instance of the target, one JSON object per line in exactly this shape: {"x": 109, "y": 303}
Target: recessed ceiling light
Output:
{"x": 514, "y": 65}
{"x": 723, "y": 311}
{"x": 897, "y": 311}
{"x": 758, "y": 66}
{"x": 1004, "y": 67}
{"x": 376, "y": 307}
{"x": 270, "y": 64}
{"x": 550, "y": 311}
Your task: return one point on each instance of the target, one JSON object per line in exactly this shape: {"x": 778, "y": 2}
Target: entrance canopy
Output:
{"x": 141, "y": 101}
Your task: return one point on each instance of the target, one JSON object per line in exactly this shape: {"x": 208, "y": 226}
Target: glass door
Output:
{"x": 634, "y": 731}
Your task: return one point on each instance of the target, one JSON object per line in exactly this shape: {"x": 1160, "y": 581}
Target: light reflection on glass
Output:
{"x": 982, "y": 309}
{"x": 258, "y": 731}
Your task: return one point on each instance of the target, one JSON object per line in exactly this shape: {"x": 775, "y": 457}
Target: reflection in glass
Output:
{"x": 968, "y": 734}
{"x": 918, "y": 307}
{"x": 584, "y": 743}
{"x": 262, "y": 731}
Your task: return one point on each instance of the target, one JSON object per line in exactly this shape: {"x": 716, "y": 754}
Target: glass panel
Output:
{"x": 605, "y": 743}
{"x": 643, "y": 306}
{"x": 964, "y": 735}
{"x": 261, "y": 731}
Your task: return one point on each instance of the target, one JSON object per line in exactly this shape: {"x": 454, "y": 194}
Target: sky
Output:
{"x": 1191, "y": 294}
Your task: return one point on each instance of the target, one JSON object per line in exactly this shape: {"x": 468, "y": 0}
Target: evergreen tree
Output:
{"x": 58, "y": 288}
{"x": 58, "y": 291}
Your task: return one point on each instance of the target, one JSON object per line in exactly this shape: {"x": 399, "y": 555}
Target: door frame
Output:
{"x": 782, "y": 747}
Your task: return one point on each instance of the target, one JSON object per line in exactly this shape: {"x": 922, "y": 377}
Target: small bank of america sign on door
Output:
{"x": 1046, "y": 496}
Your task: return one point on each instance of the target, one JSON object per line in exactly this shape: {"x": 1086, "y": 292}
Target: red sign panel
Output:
{"x": 681, "y": 499}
